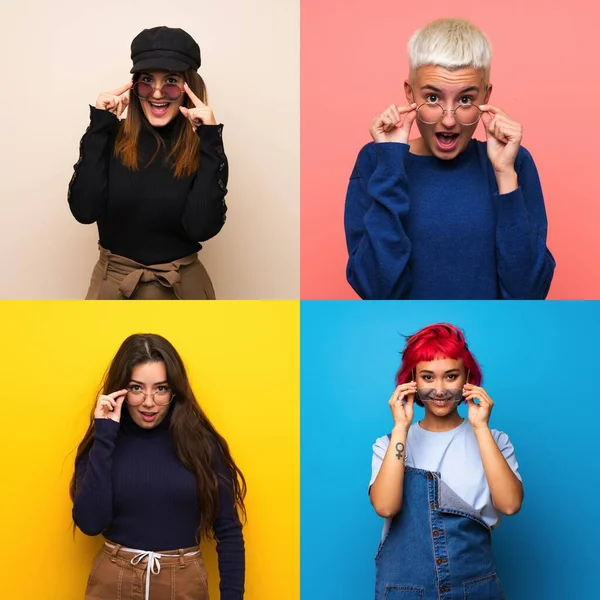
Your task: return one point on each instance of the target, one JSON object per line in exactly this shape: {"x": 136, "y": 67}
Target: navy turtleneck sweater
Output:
{"x": 132, "y": 488}
{"x": 149, "y": 215}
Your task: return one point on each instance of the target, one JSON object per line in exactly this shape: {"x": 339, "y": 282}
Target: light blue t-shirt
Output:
{"x": 455, "y": 456}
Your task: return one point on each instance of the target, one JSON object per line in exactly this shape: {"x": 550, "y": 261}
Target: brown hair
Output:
{"x": 184, "y": 154}
{"x": 194, "y": 437}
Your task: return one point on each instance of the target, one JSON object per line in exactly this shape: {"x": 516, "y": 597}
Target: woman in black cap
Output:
{"x": 154, "y": 182}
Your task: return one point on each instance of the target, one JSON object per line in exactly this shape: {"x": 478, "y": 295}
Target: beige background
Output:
{"x": 64, "y": 53}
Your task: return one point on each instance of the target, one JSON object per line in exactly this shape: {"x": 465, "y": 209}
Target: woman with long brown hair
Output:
{"x": 155, "y": 182}
{"x": 154, "y": 477}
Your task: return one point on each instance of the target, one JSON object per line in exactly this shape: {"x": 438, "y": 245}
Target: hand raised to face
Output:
{"x": 479, "y": 414}
{"x": 115, "y": 101}
{"x": 402, "y": 404}
{"x": 504, "y": 137}
{"x": 109, "y": 406}
{"x": 201, "y": 114}
{"x": 394, "y": 124}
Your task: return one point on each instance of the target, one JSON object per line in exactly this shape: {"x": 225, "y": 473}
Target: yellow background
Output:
{"x": 243, "y": 362}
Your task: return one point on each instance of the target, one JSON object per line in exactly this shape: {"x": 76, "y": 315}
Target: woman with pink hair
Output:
{"x": 443, "y": 483}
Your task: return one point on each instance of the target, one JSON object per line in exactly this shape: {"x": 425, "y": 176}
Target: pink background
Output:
{"x": 545, "y": 65}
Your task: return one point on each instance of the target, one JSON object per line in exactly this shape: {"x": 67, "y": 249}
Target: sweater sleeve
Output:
{"x": 92, "y": 509}
{"x": 88, "y": 186}
{"x": 228, "y": 532}
{"x": 204, "y": 213}
{"x": 377, "y": 205}
{"x": 525, "y": 265}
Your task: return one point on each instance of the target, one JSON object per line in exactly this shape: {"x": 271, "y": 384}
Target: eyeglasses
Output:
{"x": 432, "y": 112}
{"x": 137, "y": 396}
{"x": 170, "y": 92}
{"x": 430, "y": 394}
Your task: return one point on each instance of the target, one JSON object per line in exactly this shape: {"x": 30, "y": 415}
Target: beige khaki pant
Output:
{"x": 118, "y": 278}
{"x": 114, "y": 577}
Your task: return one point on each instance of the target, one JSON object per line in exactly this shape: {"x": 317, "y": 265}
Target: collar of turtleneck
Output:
{"x": 167, "y": 132}
{"x": 128, "y": 426}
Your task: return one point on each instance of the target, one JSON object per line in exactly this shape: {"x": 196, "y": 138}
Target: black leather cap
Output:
{"x": 165, "y": 49}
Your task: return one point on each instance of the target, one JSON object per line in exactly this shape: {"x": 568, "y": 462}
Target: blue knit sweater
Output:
{"x": 418, "y": 227}
{"x": 132, "y": 488}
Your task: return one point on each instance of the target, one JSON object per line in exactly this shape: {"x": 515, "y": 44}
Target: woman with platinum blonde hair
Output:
{"x": 445, "y": 216}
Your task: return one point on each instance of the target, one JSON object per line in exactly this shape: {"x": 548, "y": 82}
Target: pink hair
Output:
{"x": 441, "y": 340}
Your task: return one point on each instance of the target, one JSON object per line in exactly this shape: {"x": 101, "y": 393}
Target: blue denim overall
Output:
{"x": 437, "y": 547}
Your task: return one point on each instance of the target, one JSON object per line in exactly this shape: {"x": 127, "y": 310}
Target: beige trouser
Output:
{"x": 118, "y": 278}
{"x": 122, "y": 574}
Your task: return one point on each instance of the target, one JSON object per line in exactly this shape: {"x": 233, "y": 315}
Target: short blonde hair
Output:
{"x": 450, "y": 43}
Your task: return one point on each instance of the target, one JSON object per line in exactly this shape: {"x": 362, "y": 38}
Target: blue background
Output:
{"x": 540, "y": 366}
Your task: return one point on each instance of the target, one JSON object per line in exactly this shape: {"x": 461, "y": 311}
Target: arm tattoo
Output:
{"x": 399, "y": 450}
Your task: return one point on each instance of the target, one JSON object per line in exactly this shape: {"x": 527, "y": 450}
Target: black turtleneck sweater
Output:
{"x": 149, "y": 215}
{"x": 132, "y": 488}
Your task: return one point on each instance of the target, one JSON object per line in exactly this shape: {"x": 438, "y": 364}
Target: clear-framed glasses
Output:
{"x": 432, "y": 112}
{"x": 431, "y": 394}
{"x": 136, "y": 395}
{"x": 170, "y": 92}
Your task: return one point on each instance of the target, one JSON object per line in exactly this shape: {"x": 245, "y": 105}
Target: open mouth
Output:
{"x": 446, "y": 141}
{"x": 159, "y": 109}
{"x": 148, "y": 416}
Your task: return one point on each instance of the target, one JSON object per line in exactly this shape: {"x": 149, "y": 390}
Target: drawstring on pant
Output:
{"x": 153, "y": 561}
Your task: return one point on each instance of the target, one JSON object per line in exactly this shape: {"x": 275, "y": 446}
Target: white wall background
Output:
{"x": 60, "y": 55}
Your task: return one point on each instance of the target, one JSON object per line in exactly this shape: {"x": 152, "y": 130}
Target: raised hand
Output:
{"x": 116, "y": 101}
{"x": 504, "y": 137}
{"x": 394, "y": 124}
{"x": 201, "y": 114}
{"x": 109, "y": 406}
{"x": 479, "y": 414}
{"x": 402, "y": 404}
